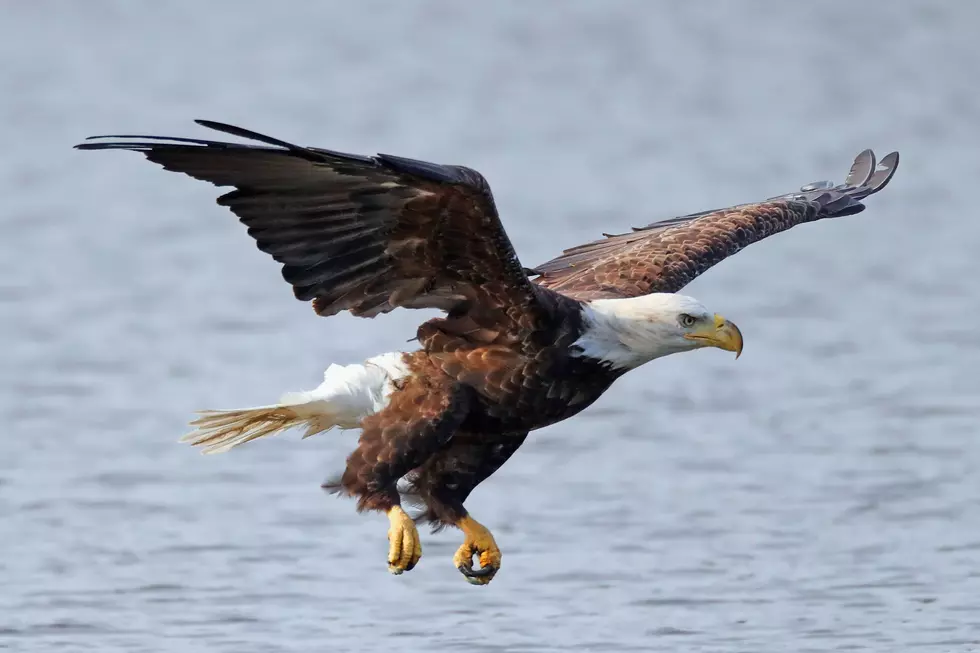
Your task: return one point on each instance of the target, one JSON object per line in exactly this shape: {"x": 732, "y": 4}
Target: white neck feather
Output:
{"x": 626, "y": 333}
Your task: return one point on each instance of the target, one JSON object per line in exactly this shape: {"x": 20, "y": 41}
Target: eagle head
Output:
{"x": 625, "y": 333}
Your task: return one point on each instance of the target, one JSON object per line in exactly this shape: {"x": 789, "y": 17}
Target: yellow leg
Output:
{"x": 478, "y": 541}
{"x": 404, "y": 545}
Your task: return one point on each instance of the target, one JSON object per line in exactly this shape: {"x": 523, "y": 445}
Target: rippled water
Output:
{"x": 819, "y": 494}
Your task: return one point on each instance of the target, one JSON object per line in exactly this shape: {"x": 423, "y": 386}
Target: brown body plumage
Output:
{"x": 512, "y": 354}
{"x": 464, "y": 409}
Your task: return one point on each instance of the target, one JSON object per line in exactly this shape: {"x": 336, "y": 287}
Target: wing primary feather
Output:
{"x": 149, "y": 142}
{"x": 881, "y": 177}
{"x": 154, "y": 141}
{"x": 254, "y": 136}
{"x": 862, "y": 169}
{"x": 311, "y": 153}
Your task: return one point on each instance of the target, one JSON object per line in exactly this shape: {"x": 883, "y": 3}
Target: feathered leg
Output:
{"x": 445, "y": 482}
{"x": 420, "y": 417}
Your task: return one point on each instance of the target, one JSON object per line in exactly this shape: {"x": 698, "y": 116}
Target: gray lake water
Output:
{"x": 822, "y": 493}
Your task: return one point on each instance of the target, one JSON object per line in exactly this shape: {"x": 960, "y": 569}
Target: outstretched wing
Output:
{"x": 357, "y": 233}
{"x": 666, "y": 256}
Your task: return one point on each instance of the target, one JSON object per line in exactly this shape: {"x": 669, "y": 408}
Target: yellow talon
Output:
{"x": 404, "y": 545}
{"x": 478, "y": 540}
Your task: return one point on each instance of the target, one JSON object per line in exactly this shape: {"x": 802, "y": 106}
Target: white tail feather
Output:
{"x": 348, "y": 394}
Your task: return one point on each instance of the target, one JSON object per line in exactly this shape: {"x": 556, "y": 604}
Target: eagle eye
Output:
{"x": 687, "y": 321}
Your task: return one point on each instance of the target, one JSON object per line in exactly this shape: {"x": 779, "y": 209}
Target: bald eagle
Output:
{"x": 517, "y": 349}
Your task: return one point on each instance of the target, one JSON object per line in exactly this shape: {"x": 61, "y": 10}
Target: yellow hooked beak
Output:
{"x": 722, "y": 334}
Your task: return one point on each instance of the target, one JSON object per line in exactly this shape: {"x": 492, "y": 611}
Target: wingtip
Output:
{"x": 891, "y": 159}
{"x": 225, "y": 128}
{"x": 87, "y": 144}
{"x": 861, "y": 170}
{"x": 248, "y": 134}
{"x": 210, "y": 124}
{"x": 886, "y": 170}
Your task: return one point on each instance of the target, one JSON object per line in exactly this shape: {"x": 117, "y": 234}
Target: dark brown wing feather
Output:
{"x": 666, "y": 256}
{"x": 357, "y": 233}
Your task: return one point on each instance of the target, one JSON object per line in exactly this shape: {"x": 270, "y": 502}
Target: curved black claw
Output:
{"x": 479, "y": 543}
{"x": 479, "y": 576}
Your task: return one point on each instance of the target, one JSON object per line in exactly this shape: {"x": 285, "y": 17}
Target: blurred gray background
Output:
{"x": 819, "y": 494}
